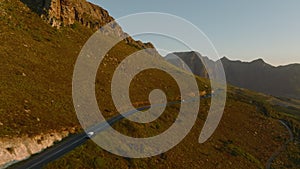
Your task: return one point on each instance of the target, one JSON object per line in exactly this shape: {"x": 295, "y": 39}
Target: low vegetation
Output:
{"x": 36, "y": 81}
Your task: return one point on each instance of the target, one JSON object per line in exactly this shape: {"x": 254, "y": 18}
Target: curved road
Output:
{"x": 70, "y": 143}
{"x": 281, "y": 149}
{"x": 67, "y": 145}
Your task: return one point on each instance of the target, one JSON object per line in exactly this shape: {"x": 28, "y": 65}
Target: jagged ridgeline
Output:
{"x": 37, "y": 63}
{"x": 280, "y": 81}
{"x": 40, "y": 42}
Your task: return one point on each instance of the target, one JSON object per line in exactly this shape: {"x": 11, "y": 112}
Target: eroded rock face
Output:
{"x": 60, "y": 13}
{"x": 17, "y": 149}
{"x": 65, "y": 12}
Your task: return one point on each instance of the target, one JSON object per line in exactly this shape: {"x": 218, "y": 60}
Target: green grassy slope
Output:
{"x": 36, "y": 68}
{"x": 248, "y": 135}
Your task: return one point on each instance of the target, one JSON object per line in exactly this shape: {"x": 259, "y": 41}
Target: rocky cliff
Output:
{"x": 13, "y": 150}
{"x": 190, "y": 60}
{"x": 61, "y": 13}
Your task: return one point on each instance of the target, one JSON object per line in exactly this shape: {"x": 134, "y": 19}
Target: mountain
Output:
{"x": 190, "y": 60}
{"x": 36, "y": 105}
{"x": 59, "y": 13}
{"x": 62, "y": 13}
{"x": 281, "y": 81}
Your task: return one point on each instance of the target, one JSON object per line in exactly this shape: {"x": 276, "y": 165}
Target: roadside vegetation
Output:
{"x": 36, "y": 96}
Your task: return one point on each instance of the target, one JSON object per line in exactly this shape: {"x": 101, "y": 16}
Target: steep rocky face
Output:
{"x": 66, "y": 12}
{"x": 190, "y": 60}
{"x": 60, "y": 13}
{"x": 13, "y": 150}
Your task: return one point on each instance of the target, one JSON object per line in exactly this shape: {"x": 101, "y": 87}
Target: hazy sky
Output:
{"x": 239, "y": 29}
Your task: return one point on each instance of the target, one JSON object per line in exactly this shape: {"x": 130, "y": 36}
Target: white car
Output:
{"x": 90, "y": 134}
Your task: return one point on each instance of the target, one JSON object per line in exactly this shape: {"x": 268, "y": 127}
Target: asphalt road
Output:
{"x": 282, "y": 148}
{"x": 52, "y": 153}
{"x": 67, "y": 145}
{"x": 70, "y": 143}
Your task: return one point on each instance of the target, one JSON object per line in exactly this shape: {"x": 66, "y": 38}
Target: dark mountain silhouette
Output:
{"x": 281, "y": 81}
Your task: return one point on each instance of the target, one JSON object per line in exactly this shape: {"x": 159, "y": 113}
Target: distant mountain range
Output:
{"x": 40, "y": 43}
{"x": 281, "y": 81}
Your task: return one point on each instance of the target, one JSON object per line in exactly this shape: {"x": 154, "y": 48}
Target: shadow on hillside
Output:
{"x": 38, "y": 6}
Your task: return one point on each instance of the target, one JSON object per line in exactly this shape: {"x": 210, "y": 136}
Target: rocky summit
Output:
{"x": 62, "y": 13}
{"x": 36, "y": 105}
{"x": 66, "y": 12}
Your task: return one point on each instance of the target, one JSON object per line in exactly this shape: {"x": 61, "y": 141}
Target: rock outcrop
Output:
{"x": 190, "y": 60}
{"x": 13, "y": 150}
{"x": 61, "y": 13}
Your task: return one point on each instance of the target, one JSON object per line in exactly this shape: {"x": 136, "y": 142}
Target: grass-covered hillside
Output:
{"x": 36, "y": 65}
{"x": 36, "y": 71}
